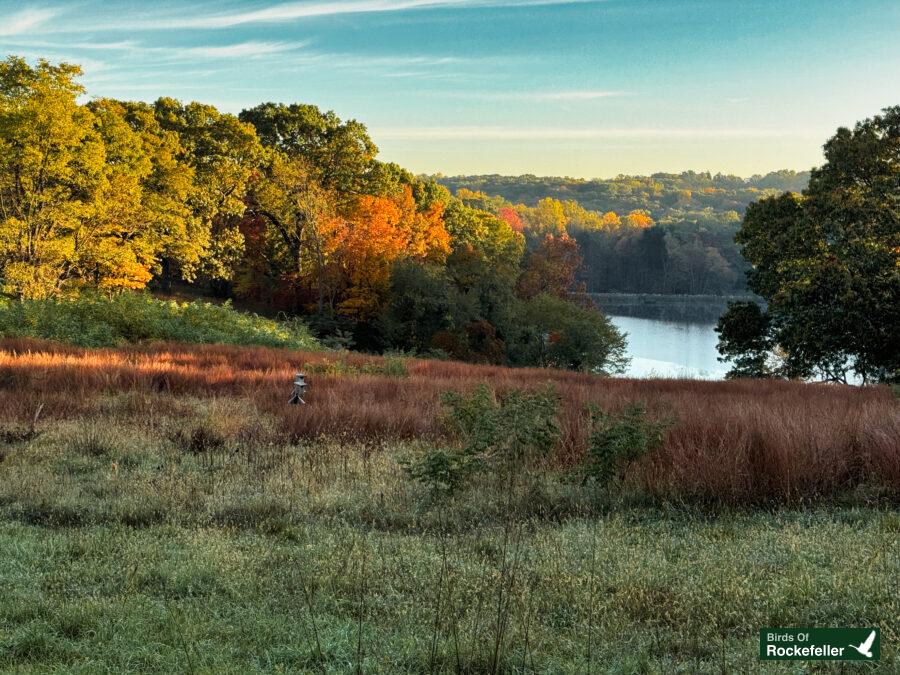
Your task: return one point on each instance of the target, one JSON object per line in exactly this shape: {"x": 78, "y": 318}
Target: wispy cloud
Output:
{"x": 557, "y": 134}
{"x": 455, "y": 76}
{"x": 300, "y": 10}
{"x": 25, "y": 21}
{"x": 123, "y": 45}
{"x": 587, "y": 95}
{"x": 539, "y": 96}
{"x": 293, "y": 11}
{"x": 390, "y": 61}
{"x": 249, "y": 49}
{"x": 240, "y": 50}
{"x": 88, "y": 64}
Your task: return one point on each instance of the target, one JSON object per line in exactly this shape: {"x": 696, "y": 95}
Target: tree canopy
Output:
{"x": 287, "y": 207}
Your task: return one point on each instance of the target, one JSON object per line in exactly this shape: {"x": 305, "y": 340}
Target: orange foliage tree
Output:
{"x": 379, "y": 232}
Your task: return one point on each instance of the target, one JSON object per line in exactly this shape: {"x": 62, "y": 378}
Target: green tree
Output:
{"x": 828, "y": 265}
{"x": 486, "y": 236}
{"x": 89, "y": 195}
{"x": 294, "y": 208}
{"x": 340, "y": 154}
{"x": 147, "y": 218}
{"x": 418, "y": 305}
{"x": 745, "y": 340}
{"x": 561, "y": 334}
{"x": 223, "y": 154}
{"x": 51, "y": 168}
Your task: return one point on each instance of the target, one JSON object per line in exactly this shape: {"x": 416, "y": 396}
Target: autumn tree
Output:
{"x": 88, "y": 194}
{"x": 547, "y": 217}
{"x": 378, "y": 232}
{"x": 512, "y": 218}
{"x": 638, "y": 219}
{"x": 610, "y": 220}
{"x": 551, "y": 269}
{"x": 552, "y": 216}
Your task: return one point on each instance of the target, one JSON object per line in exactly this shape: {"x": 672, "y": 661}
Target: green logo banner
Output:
{"x": 822, "y": 644}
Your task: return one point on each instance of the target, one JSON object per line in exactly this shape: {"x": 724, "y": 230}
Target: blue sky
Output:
{"x": 588, "y": 88}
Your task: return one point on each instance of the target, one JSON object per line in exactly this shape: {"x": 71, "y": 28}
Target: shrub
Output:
{"x": 394, "y": 365}
{"x": 616, "y": 440}
{"x": 502, "y": 433}
{"x": 93, "y": 320}
{"x": 511, "y": 428}
{"x": 443, "y": 472}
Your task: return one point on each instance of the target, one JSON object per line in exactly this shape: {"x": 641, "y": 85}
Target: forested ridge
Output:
{"x": 664, "y": 233}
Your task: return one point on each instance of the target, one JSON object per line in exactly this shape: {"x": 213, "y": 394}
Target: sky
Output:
{"x": 581, "y": 88}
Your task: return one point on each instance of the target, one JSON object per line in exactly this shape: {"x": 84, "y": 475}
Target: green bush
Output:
{"x": 94, "y": 320}
{"x": 512, "y": 428}
{"x": 558, "y": 333}
{"x": 616, "y": 440}
{"x": 502, "y": 434}
{"x": 443, "y": 472}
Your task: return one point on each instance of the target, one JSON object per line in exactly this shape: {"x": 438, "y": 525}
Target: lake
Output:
{"x": 671, "y": 348}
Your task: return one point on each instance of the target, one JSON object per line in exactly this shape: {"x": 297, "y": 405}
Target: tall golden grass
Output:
{"x": 739, "y": 441}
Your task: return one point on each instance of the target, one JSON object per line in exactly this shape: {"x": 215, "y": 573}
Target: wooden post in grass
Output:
{"x": 299, "y": 390}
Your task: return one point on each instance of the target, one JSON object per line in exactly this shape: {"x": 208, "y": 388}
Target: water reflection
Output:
{"x": 671, "y": 348}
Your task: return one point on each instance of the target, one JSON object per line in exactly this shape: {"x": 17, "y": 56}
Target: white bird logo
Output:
{"x": 866, "y": 647}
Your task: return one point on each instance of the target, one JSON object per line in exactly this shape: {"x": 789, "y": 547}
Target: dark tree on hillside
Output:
{"x": 828, "y": 264}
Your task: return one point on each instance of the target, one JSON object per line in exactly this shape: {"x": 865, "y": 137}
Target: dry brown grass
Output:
{"x": 732, "y": 441}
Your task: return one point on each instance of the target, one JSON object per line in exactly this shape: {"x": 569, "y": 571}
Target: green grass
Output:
{"x": 619, "y": 594}
{"x": 94, "y": 320}
{"x": 191, "y": 537}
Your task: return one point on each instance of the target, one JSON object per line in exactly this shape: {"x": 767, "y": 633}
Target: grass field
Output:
{"x": 163, "y": 510}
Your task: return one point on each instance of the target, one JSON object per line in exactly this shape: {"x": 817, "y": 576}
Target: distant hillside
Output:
{"x": 667, "y": 196}
{"x": 661, "y": 234}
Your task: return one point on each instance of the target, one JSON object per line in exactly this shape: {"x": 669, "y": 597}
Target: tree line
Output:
{"x": 284, "y": 206}
{"x": 664, "y": 233}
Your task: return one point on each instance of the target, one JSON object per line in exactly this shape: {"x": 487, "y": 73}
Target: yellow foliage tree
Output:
{"x": 51, "y": 175}
{"x": 639, "y": 220}
{"x": 89, "y": 194}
